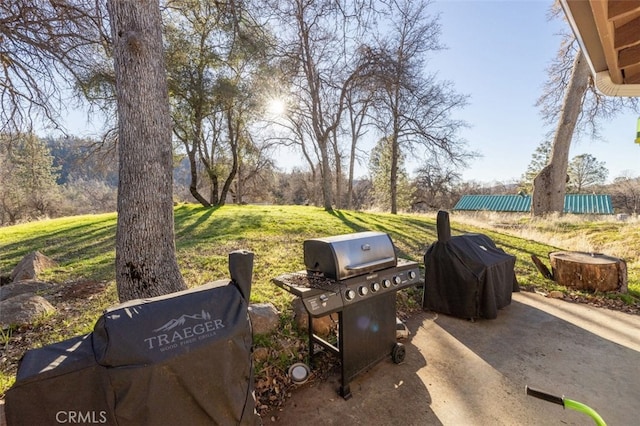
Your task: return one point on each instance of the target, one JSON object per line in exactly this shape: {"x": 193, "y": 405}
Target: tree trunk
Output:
{"x": 146, "y": 263}
{"x": 234, "y": 136}
{"x": 395, "y": 154}
{"x": 193, "y": 185}
{"x": 338, "y": 160}
{"x": 352, "y": 162}
{"x": 192, "y": 151}
{"x": 589, "y": 271}
{"x": 325, "y": 176}
{"x": 549, "y": 186}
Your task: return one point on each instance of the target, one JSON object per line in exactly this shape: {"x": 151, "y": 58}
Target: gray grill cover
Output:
{"x": 343, "y": 256}
{"x": 184, "y": 358}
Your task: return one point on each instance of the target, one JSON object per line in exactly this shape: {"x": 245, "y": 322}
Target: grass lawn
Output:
{"x": 84, "y": 247}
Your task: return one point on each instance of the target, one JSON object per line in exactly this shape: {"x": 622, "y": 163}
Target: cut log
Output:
{"x": 589, "y": 271}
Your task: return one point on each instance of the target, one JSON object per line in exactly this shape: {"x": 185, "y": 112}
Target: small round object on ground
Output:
{"x": 299, "y": 373}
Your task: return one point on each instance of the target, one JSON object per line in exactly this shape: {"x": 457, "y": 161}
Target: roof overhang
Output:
{"x": 609, "y": 34}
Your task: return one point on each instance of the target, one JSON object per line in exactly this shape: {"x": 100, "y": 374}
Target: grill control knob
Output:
{"x": 375, "y": 287}
{"x": 396, "y": 280}
{"x": 386, "y": 283}
{"x": 412, "y": 274}
{"x": 363, "y": 290}
{"x": 350, "y": 294}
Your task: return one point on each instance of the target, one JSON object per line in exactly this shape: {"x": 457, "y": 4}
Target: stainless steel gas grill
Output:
{"x": 356, "y": 276}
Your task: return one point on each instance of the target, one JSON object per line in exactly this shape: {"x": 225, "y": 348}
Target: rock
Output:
{"x": 23, "y": 309}
{"x": 321, "y": 326}
{"x": 300, "y": 314}
{"x": 260, "y": 354}
{"x": 555, "y": 294}
{"x": 21, "y": 287}
{"x": 31, "y": 265}
{"x": 264, "y": 318}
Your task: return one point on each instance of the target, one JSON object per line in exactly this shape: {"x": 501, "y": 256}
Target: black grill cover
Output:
{"x": 184, "y": 358}
{"x": 60, "y": 383}
{"x": 467, "y": 276}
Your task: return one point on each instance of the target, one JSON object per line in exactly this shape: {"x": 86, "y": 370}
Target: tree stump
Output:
{"x": 589, "y": 271}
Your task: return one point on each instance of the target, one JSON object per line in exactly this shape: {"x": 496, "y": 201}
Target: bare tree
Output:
{"x": 381, "y": 167}
{"x": 358, "y": 102}
{"x": 570, "y": 100}
{"x": 43, "y": 43}
{"x": 320, "y": 56}
{"x": 626, "y": 193}
{"x": 586, "y": 171}
{"x": 413, "y": 109}
{"x": 146, "y": 263}
{"x": 549, "y": 186}
{"x": 435, "y": 185}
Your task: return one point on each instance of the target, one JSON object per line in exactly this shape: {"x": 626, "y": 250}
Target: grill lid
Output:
{"x": 343, "y": 256}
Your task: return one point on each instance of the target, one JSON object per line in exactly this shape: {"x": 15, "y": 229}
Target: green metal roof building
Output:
{"x": 573, "y": 203}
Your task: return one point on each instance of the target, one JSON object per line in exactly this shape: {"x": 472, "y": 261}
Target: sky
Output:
{"x": 498, "y": 53}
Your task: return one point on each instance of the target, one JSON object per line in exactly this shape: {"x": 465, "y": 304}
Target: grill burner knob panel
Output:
{"x": 375, "y": 287}
{"x": 363, "y": 291}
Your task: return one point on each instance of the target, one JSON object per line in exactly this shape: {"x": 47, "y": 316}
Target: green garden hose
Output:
{"x": 567, "y": 403}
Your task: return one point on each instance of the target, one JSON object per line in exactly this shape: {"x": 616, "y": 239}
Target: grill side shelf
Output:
{"x": 319, "y": 295}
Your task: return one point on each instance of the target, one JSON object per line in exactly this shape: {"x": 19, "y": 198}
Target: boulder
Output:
{"x": 556, "y": 294}
{"x": 23, "y": 309}
{"x": 321, "y": 326}
{"x": 264, "y": 318}
{"x": 260, "y": 354}
{"x": 31, "y": 265}
{"x": 21, "y": 287}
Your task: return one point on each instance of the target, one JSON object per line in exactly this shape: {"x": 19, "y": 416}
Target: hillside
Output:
{"x": 83, "y": 246}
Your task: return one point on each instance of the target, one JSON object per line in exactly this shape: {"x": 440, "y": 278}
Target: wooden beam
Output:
{"x": 605, "y": 35}
{"x": 632, "y": 75}
{"x": 628, "y": 34}
{"x": 620, "y": 8}
{"x": 629, "y": 56}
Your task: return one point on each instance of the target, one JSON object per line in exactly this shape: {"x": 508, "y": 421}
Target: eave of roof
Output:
{"x": 608, "y": 32}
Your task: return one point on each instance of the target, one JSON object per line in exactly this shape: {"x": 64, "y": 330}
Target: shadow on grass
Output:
{"x": 411, "y": 236}
{"x": 197, "y": 226}
{"x": 69, "y": 245}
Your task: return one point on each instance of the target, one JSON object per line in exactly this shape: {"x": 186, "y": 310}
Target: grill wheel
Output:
{"x": 398, "y": 353}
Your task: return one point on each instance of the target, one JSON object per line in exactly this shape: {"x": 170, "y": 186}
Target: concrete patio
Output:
{"x": 458, "y": 372}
